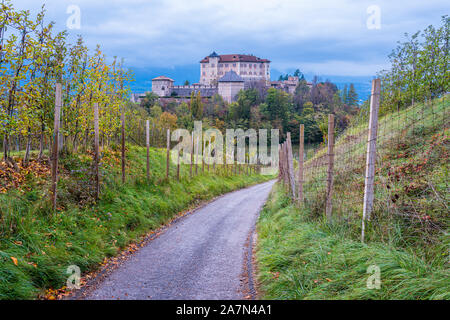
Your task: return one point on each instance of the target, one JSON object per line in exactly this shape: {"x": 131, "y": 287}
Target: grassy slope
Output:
{"x": 45, "y": 244}
{"x": 301, "y": 256}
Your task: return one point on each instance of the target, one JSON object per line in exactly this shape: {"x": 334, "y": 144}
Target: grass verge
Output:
{"x": 299, "y": 258}
{"x": 37, "y": 245}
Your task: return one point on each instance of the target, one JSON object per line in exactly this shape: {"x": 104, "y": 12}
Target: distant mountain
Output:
{"x": 143, "y": 78}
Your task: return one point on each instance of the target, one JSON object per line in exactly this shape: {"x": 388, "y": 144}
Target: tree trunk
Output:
{"x": 26, "y": 158}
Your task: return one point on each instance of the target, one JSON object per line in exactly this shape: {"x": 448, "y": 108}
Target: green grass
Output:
{"x": 83, "y": 233}
{"x": 300, "y": 258}
{"x": 407, "y": 236}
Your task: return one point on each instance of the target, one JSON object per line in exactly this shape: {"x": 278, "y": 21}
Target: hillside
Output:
{"x": 302, "y": 256}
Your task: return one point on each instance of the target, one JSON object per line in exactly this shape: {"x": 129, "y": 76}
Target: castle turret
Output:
{"x": 162, "y": 86}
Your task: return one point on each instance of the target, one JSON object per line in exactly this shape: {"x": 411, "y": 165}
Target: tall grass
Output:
{"x": 84, "y": 233}
{"x": 300, "y": 258}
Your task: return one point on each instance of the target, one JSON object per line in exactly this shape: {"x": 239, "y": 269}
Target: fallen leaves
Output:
{"x": 14, "y": 260}
{"x": 275, "y": 275}
{"x": 11, "y": 178}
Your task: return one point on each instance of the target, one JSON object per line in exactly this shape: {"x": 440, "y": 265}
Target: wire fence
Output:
{"x": 378, "y": 169}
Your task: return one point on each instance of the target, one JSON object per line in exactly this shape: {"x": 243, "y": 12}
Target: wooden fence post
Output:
{"x": 123, "y": 142}
{"x": 279, "y": 162}
{"x": 301, "y": 151}
{"x": 96, "y": 151}
{"x": 282, "y": 164}
{"x": 285, "y": 164}
{"x": 58, "y": 103}
{"x": 329, "y": 203}
{"x": 192, "y": 153}
{"x": 290, "y": 159}
{"x": 203, "y": 156}
{"x": 371, "y": 153}
{"x": 178, "y": 166}
{"x": 147, "y": 141}
{"x": 168, "y": 155}
{"x": 196, "y": 156}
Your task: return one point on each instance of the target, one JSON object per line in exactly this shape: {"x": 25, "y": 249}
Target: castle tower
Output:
{"x": 209, "y": 69}
{"x": 230, "y": 85}
{"x": 162, "y": 86}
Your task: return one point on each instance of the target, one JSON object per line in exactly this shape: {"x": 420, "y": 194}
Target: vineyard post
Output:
{"x": 203, "y": 156}
{"x": 58, "y": 103}
{"x": 192, "y": 154}
{"x": 122, "y": 116}
{"x": 371, "y": 153}
{"x": 178, "y": 166}
{"x": 301, "y": 152}
{"x": 290, "y": 165}
{"x": 196, "y": 156}
{"x": 61, "y": 136}
{"x": 168, "y": 155}
{"x": 282, "y": 163}
{"x": 285, "y": 165}
{"x": 147, "y": 141}
{"x": 330, "y": 154}
{"x": 96, "y": 151}
{"x": 279, "y": 162}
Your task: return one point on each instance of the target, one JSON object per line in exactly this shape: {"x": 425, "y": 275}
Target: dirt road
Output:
{"x": 202, "y": 256}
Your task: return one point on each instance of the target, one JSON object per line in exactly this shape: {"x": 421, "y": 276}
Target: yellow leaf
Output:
{"x": 14, "y": 260}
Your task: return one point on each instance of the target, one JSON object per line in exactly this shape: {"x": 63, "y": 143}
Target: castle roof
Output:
{"x": 231, "y": 76}
{"x": 162, "y": 78}
{"x": 235, "y": 58}
{"x": 213, "y": 55}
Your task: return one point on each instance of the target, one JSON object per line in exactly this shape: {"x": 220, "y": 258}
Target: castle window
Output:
{"x": 234, "y": 64}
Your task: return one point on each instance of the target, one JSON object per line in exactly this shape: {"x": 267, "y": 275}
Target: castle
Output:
{"x": 225, "y": 75}
{"x": 248, "y": 67}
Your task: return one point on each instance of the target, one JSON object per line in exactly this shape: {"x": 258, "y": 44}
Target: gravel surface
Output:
{"x": 199, "y": 257}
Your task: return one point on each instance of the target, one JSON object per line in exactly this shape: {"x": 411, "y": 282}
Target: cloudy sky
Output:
{"x": 325, "y": 37}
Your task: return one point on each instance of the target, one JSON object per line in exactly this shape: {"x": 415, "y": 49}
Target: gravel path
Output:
{"x": 199, "y": 257}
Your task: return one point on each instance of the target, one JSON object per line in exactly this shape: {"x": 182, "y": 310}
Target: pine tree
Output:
{"x": 352, "y": 97}
{"x": 193, "y": 104}
{"x": 345, "y": 95}
{"x": 199, "y": 103}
